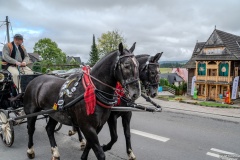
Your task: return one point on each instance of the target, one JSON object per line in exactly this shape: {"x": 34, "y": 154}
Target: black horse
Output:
{"x": 42, "y": 92}
{"x": 149, "y": 76}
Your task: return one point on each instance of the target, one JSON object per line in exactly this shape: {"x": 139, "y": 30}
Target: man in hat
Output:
{"x": 15, "y": 59}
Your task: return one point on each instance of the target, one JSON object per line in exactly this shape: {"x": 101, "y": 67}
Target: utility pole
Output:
{"x": 7, "y": 24}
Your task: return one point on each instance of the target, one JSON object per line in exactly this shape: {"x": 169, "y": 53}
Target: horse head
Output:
{"x": 149, "y": 74}
{"x": 127, "y": 73}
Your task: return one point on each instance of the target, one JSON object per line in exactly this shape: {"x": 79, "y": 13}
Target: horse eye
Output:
{"x": 127, "y": 66}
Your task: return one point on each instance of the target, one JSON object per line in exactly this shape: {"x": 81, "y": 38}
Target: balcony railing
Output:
{"x": 214, "y": 78}
{"x": 200, "y": 78}
{"x": 211, "y": 78}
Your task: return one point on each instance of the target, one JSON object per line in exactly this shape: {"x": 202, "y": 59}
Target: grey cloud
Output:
{"x": 169, "y": 26}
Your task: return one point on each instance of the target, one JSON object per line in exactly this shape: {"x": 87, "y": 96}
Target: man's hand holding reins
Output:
{"x": 23, "y": 64}
{"x": 18, "y": 63}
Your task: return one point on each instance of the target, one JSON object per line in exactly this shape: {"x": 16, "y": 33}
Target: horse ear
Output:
{"x": 157, "y": 57}
{"x": 132, "y": 48}
{"x": 120, "y": 48}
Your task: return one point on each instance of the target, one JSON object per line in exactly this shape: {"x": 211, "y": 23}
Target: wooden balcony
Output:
{"x": 214, "y": 78}
{"x": 210, "y": 66}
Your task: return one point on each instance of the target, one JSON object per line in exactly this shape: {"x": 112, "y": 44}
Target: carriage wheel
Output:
{"x": 58, "y": 127}
{"x": 6, "y": 129}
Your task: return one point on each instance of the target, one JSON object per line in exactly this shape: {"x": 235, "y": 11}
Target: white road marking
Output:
{"x": 149, "y": 135}
{"x": 221, "y": 152}
{"x": 213, "y": 154}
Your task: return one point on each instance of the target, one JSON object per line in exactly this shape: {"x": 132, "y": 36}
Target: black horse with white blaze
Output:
{"x": 149, "y": 76}
{"x": 42, "y": 92}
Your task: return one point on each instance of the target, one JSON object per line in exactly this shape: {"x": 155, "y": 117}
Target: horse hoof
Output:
{"x": 131, "y": 156}
{"x": 104, "y": 147}
{"x": 55, "y": 158}
{"x": 82, "y": 144}
{"x": 70, "y": 133}
{"x": 31, "y": 155}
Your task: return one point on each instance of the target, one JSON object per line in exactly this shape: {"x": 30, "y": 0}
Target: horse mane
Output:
{"x": 104, "y": 57}
{"x": 109, "y": 54}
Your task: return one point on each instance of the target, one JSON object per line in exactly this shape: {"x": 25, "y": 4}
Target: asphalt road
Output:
{"x": 156, "y": 136}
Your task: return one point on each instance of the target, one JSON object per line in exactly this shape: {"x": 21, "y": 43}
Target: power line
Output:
{"x": 10, "y": 25}
{"x": 11, "y": 28}
{"x": 5, "y": 39}
{"x": 2, "y": 24}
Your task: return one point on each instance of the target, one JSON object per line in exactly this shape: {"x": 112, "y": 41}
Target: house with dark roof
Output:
{"x": 73, "y": 59}
{"x": 214, "y": 64}
{"x": 33, "y": 57}
{"x": 173, "y": 78}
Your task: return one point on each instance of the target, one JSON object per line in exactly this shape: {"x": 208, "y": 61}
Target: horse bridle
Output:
{"x": 118, "y": 64}
{"x": 146, "y": 66}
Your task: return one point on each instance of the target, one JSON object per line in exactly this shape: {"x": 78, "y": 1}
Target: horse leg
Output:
{"x": 93, "y": 142}
{"x": 50, "y": 131}
{"x": 112, "y": 124}
{"x": 126, "y": 118}
{"x": 86, "y": 151}
{"x": 81, "y": 139}
{"x": 31, "y": 128}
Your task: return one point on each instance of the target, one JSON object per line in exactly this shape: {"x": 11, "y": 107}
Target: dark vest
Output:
{"x": 13, "y": 54}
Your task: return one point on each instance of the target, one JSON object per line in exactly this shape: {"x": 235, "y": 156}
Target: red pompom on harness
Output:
{"x": 89, "y": 94}
{"x": 120, "y": 93}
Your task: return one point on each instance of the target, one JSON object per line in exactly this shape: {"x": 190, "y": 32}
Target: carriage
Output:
{"x": 11, "y": 105}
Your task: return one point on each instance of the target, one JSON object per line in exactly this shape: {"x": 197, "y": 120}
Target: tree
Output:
{"x": 94, "y": 55}
{"x": 109, "y": 42}
{"x": 50, "y": 52}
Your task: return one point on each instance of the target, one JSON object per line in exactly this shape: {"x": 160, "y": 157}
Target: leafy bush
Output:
{"x": 163, "y": 82}
{"x": 36, "y": 67}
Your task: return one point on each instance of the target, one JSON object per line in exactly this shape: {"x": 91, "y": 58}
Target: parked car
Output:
{"x": 69, "y": 72}
{"x": 57, "y": 72}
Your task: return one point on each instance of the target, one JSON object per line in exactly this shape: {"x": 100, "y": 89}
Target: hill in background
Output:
{"x": 172, "y": 64}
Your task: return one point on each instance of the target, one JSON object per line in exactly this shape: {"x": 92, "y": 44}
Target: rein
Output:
{"x": 113, "y": 88}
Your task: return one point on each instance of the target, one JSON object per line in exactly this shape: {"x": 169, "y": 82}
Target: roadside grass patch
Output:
{"x": 165, "y": 70}
{"x": 172, "y": 98}
{"x": 217, "y": 105}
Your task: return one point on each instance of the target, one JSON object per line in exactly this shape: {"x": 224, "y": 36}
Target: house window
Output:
{"x": 201, "y": 69}
{"x": 223, "y": 69}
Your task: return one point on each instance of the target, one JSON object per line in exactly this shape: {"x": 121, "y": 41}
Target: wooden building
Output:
{"x": 214, "y": 63}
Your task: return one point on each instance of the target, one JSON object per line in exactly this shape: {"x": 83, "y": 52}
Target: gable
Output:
{"x": 74, "y": 59}
{"x": 214, "y": 46}
{"x": 214, "y": 39}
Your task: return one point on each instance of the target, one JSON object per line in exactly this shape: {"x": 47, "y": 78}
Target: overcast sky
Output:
{"x": 169, "y": 26}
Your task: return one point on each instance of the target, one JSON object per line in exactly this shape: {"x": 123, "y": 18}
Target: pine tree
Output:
{"x": 94, "y": 55}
